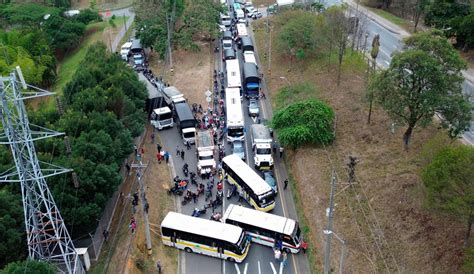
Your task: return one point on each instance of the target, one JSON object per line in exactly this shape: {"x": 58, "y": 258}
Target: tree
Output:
{"x": 419, "y": 9}
{"x": 422, "y": 81}
{"x": 466, "y": 31}
{"x": 305, "y": 122}
{"x": 338, "y": 28}
{"x": 18, "y": 56}
{"x": 449, "y": 184}
{"x": 12, "y": 227}
{"x": 88, "y": 15}
{"x": 29, "y": 266}
{"x": 374, "y": 52}
{"x": 299, "y": 36}
{"x": 64, "y": 33}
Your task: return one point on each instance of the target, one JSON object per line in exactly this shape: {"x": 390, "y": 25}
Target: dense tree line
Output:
{"x": 188, "y": 21}
{"x": 104, "y": 110}
{"x": 32, "y": 35}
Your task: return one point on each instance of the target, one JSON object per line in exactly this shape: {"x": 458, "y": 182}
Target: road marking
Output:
{"x": 281, "y": 267}
{"x": 273, "y": 268}
{"x": 259, "y": 270}
{"x": 237, "y": 268}
{"x": 245, "y": 268}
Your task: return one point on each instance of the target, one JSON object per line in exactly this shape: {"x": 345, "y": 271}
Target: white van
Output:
{"x": 124, "y": 50}
{"x": 239, "y": 14}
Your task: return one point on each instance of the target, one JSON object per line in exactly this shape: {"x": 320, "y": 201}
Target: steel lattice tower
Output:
{"x": 47, "y": 237}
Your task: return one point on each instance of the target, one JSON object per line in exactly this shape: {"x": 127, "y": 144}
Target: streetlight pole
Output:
{"x": 343, "y": 249}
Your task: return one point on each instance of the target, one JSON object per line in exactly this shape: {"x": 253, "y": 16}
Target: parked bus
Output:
{"x": 196, "y": 235}
{"x": 233, "y": 73}
{"x": 250, "y": 185}
{"x": 266, "y": 228}
{"x": 241, "y": 30}
{"x": 235, "y": 117}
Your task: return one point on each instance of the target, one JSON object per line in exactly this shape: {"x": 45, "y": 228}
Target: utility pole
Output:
{"x": 145, "y": 205}
{"x": 329, "y": 214}
{"x": 168, "y": 23}
{"x": 47, "y": 236}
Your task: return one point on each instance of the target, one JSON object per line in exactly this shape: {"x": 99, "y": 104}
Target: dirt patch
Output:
{"x": 191, "y": 73}
{"x": 382, "y": 218}
{"x": 262, "y": 3}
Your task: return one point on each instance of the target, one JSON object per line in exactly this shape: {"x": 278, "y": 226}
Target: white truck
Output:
{"x": 261, "y": 146}
{"x": 173, "y": 96}
{"x": 125, "y": 50}
{"x": 205, "y": 152}
{"x": 162, "y": 118}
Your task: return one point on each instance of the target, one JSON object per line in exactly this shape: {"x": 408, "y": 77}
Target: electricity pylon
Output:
{"x": 47, "y": 237}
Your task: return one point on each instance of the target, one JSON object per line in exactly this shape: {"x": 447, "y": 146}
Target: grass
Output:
{"x": 294, "y": 93}
{"x": 69, "y": 65}
{"x": 128, "y": 34}
{"x": 392, "y": 18}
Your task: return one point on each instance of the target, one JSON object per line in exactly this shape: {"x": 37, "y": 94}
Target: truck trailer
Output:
{"x": 185, "y": 122}
{"x": 205, "y": 152}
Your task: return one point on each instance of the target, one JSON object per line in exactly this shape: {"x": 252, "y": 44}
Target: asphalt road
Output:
{"x": 260, "y": 258}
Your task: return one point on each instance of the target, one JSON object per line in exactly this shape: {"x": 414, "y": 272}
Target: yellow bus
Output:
{"x": 250, "y": 185}
{"x": 201, "y": 236}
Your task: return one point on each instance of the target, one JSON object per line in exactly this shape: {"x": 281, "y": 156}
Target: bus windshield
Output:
{"x": 296, "y": 234}
{"x": 242, "y": 243}
{"x": 266, "y": 198}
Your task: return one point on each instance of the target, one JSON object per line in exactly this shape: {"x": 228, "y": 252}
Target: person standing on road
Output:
{"x": 167, "y": 157}
{"x": 127, "y": 166}
{"x": 158, "y": 147}
{"x": 136, "y": 149}
{"x": 182, "y": 154}
{"x": 284, "y": 258}
{"x": 285, "y": 184}
{"x": 281, "y": 151}
{"x": 277, "y": 254}
{"x": 143, "y": 151}
{"x": 188, "y": 145}
{"x": 152, "y": 137}
{"x": 158, "y": 267}
{"x": 158, "y": 157}
{"x": 178, "y": 152}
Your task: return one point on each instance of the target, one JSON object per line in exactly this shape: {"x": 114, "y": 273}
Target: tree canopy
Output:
{"x": 12, "y": 227}
{"x": 305, "y": 122}
{"x": 422, "y": 81}
{"x": 29, "y": 266}
{"x": 449, "y": 184}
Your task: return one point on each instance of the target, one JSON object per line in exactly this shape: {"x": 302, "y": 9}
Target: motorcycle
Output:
{"x": 175, "y": 190}
{"x": 188, "y": 197}
{"x": 192, "y": 175}
{"x": 208, "y": 193}
{"x": 200, "y": 189}
{"x": 198, "y": 212}
{"x": 185, "y": 170}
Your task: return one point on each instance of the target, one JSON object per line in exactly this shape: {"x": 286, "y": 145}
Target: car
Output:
{"x": 238, "y": 148}
{"x": 270, "y": 180}
{"x": 254, "y": 109}
{"x": 257, "y": 15}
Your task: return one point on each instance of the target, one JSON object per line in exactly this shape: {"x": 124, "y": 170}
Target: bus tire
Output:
{"x": 230, "y": 259}
{"x": 287, "y": 250}
{"x": 188, "y": 250}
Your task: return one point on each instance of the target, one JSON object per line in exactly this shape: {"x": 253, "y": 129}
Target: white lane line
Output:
{"x": 273, "y": 268}
{"x": 237, "y": 268}
{"x": 245, "y": 268}
{"x": 259, "y": 269}
{"x": 281, "y": 268}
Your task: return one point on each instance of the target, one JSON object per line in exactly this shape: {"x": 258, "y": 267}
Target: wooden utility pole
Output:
{"x": 329, "y": 214}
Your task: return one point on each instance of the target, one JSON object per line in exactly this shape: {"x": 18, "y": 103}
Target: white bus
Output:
{"x": 241, "y": 30}
{"x": 233, "y": 73}
{"x": 250, "y": 186}
{"x": 196, "y": 235}
{"x": 266, "y": 228}
{"x": 235, "y": 117}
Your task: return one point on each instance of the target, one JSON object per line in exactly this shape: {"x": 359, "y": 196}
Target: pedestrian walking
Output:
{"x": 178, "y": 152}
{"x": 277, "y": 255}
{"x": 284, "y": 258}
{"x": 158, "y": 267}
{"x": 158, "y": 157}
{"x": 167, "y": 157}
{"x": 133, "y": 226}
{"x": 262, "y": 95}
{"x": 188, "y": 145}
{"x": 158, "y": 147}
{"x": 182, "y": 154}
{"x": 274, "y": 147}
{"x": 285, "y": 184}
{"x": 128, "y": 168}
{"x": 136, "y": 149}
{"x": 143, "y": 151}
{"x": 281, "y": 151}
{"x": 152, "y": 137}
{"x": 105, "y": 233}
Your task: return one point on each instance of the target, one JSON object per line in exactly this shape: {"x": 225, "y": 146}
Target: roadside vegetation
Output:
{"x": 389, "y": 197}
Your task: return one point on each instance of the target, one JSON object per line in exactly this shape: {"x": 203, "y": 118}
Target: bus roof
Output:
{"x": 241, "y": 29}
{"x": 206, "y": 228}
{"x": 246, "y": 173}
{"x": 233, "y": 106}
{"x": 233, "y": 73}
{"x": 261, "y": 219}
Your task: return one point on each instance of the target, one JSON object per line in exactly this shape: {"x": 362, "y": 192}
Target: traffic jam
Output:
{"x": 224, "y": 181}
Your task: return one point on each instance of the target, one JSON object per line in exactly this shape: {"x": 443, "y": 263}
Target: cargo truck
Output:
{"x": 173, "y": 96}
{"x": 205, "y": 152}
{"x": 261, "y": 146}
{"x": 185, "y": 122}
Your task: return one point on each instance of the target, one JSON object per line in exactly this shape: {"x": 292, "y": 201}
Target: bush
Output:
{"x": 305, "y": 122}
